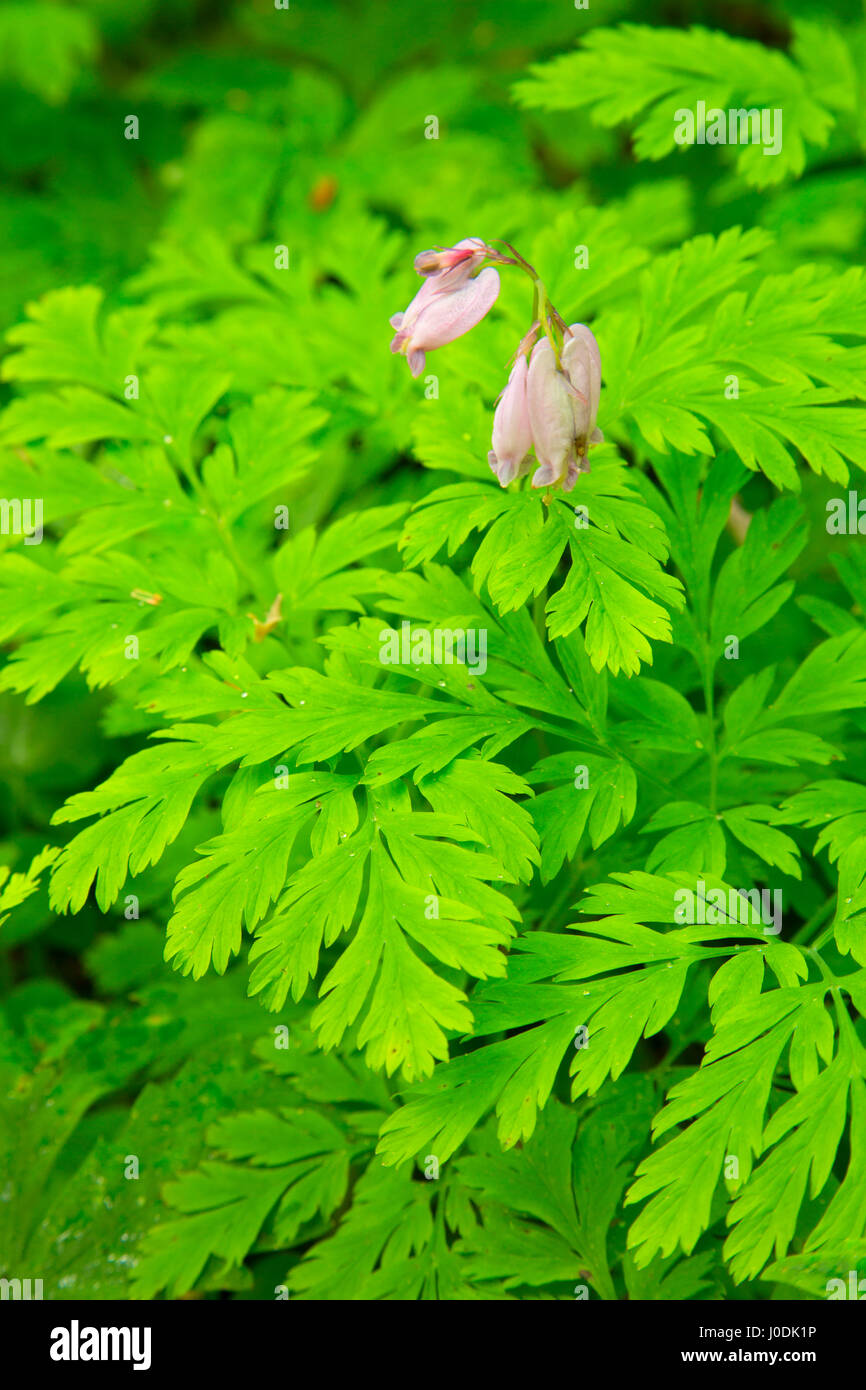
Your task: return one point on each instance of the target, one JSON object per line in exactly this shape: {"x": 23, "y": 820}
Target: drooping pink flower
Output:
{"x": 563, "y": 405}
{"x": 550, "y": 415}
{"x": 512, "y": 434}
{"x": 438, "y": 314}
{"x": 581, "y": 360}
{"x": 453, "y": 298}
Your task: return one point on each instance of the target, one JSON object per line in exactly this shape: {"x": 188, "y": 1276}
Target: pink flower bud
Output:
{"x": 551, "y": 417}
{"x": 563, "y": 406}
{"x": 438, "y": 315}
{"x": 581, "y": 361}
{"x": 512, "y": 436}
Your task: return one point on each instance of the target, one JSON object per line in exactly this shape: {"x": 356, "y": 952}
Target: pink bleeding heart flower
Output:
{"x": 452, "y": 300}
{"x": 563, "y": 405}
{"x": 512, "y": 434}
{"x": 551, "y": 418}
{"x": 581, "y": 360}
{"x": 436, "y": 317}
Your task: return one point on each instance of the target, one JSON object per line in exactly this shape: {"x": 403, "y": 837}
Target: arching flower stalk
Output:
{"x": 545, "y": 417}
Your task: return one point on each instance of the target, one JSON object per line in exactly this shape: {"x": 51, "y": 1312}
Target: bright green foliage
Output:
{"x": 331, "y": 971}
{"x": 43, "y": 47}
{"x": 642, "y": 74}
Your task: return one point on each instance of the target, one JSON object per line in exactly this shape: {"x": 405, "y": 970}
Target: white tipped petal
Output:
{"x": 512, "y": 435}
{"x": 551, "y": 417}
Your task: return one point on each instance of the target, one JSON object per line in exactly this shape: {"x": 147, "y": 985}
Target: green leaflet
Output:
{"x": 301, "y": 1170}
{"x": 641, "y": 74}
{"x": 614, "y": 545}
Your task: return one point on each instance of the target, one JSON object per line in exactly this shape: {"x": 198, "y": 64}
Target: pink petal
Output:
{"x": 512, "y": 435}
{"x": 416, "y": 307}
{"x": 449, "y": 315}
{"x": 551, "y": 416}
{"x": 581, "y": 361}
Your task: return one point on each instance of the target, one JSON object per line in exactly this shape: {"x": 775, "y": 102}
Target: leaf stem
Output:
{"x": 712, "y": 751}
{"x": 223, "y": 530}
{"x": 816, "y": 920}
